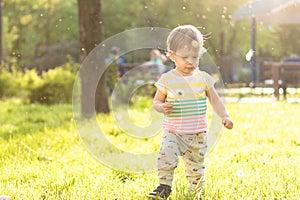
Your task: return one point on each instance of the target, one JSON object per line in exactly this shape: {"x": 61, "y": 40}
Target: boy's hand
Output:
{"x": 167, "y": 107}
{"x": 226, "y": 121}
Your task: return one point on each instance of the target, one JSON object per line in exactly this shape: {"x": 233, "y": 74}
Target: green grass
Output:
{"x": 42, "y": 156}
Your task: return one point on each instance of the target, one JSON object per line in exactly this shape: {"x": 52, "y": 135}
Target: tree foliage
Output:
{"x": 29, "y": 25}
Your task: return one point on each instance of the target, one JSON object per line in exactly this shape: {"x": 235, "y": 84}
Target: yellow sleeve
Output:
{"x": 161, "y": 86}
{"x": 210, "y": 81}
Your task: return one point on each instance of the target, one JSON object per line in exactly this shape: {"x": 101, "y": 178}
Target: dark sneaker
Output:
{"x": 161, "y": 192}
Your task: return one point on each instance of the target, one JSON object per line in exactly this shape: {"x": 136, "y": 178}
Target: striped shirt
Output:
{"x": 187, "y": 94}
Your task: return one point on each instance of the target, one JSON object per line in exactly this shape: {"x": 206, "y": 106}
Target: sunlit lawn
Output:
{"x": 42, "y": 156}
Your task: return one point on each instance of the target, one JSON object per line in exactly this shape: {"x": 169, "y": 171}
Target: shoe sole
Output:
{"x": 157, "y": 198}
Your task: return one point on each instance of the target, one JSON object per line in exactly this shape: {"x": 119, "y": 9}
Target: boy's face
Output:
{"x": 186, "y": 60}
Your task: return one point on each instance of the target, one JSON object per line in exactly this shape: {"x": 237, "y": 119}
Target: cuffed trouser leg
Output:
{"x": 167, "y": 159}
{"x": 194, "y": 162}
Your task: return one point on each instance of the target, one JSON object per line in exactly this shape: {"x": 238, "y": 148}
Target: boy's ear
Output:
{"x": 171, "y": 55}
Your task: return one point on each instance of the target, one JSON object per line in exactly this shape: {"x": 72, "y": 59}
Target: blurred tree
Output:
{"x": 288, "y": 36}
{"x": 212, "y": 18}
{"x": 29, "y": 25}
{"x": 91, "y": 34}
{"x": 209, "y": 16}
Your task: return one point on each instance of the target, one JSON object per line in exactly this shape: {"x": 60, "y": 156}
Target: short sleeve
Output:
{"x": 161, "y": 85}
{"x": 209, "y": 80}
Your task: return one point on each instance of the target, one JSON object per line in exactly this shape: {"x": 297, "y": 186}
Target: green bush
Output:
{"x": 28, "y": 82}
{"x": 56, "y": 87}
{"x": 8, "y": 84}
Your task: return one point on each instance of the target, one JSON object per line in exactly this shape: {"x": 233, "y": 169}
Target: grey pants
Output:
{"x": 192, "y": 148}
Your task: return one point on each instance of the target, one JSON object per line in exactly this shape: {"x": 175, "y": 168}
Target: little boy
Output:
{"x": 181, "y": 95}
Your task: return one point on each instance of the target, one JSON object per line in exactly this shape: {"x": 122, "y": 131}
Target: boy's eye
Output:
{"x": 194, "y": 57}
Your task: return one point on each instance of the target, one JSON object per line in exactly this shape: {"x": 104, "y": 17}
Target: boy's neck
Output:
{"x": 181, "y": 74}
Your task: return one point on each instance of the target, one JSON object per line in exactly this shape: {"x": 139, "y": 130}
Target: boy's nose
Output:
{"x": 189, "y": 60}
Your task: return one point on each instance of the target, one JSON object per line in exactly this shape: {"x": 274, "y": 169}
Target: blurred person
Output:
{"x": 115, "y": 70}
{"x": 157, "y": 59}
{"x": 114, "y": 56}
{"x": 292, "y": 58}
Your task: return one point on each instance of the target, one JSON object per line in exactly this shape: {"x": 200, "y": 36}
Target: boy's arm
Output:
{"x": 159, "y": 103}
{"x": 219, "y": 107}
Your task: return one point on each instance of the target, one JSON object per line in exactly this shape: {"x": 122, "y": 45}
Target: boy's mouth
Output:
{"x": 190, "y": 67}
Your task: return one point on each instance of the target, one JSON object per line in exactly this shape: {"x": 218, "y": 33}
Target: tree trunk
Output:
{"x": 91, "y": 34}
{"x": 222, "y": 38}
{"x": 1, "y": 32}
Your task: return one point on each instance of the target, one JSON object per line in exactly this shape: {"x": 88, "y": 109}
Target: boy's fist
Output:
{"x": 167, "y": 107}
{"x": 226, "y": 121}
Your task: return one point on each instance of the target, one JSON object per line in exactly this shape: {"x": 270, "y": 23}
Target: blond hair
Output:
{"x": 185, "y": 36}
